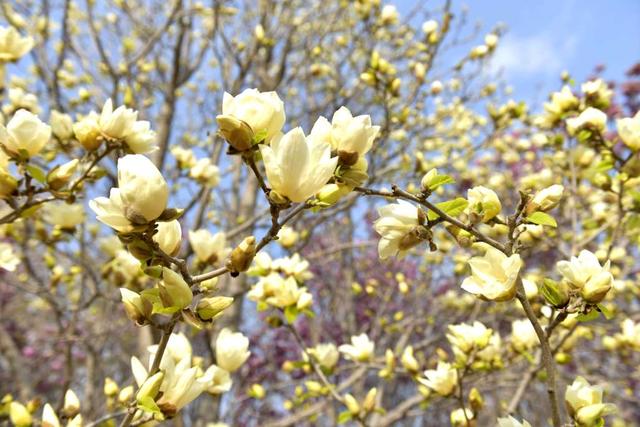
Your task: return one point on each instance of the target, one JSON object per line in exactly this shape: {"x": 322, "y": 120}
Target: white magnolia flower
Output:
{"x": 546, "y": 199}
{"x": 326, "y": 355}
{"x": 63, "y": 215}
{"x": 429, "y": 26}
{"x": 8, "y": 259}
{"x": 169, "y": 237}
{"x": 591, "y": 117}
{"x": 297, "y": 167}
{"x": 597, "y": 89}
{"x": 360, "y": 350}
{"x": 280, "y": 292}
{"x": 346, "y": 134}
{"x": 61, "y": 125}
{"x": 584, "y": 273}
{"x": 584, "y": 402}
{"x": 126, "y": 265}
{"x": 12, "y": 45}
{"x": 493, "y": 276}
{"x": 206, "y": 172}
{"x": 123, "y": 124}
{"x": 19, "y": 98}
{"x": 389, "y": 14}
{"x": 220, "y": 380}
{"x": 262, "y": 111}
{"x": 561, "y": 101}
{"x": 483, "y": 202}
{"x": 209, "y": 247}
{"x": 512, "y": 422}
{"x": 87, "y": 131}
{"x": 399, "y": 227}
{"x": 629, "y": 131}
{"x": 465, "y": 337}
{"x": 141, "y": 196}
{"x": 184, "y": 156}
{"x": 25, "y": 132}
{"x": 523, "y": 335}
{"x": 630, "y": 335}
{"x": 443, "y": 380}
{"x": 231, "y": 350}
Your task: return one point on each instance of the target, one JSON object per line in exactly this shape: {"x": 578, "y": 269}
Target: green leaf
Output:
{"x": 604, "y": 166}
{"x": 37, "y": 173}
{"x": 147, "y": 404}
{"x": 30, "y": 211}
{"x": 542, "y": 218}
{"x": 290, "y": 313}
{"x": 344, "y": 417}
{"x": 608, "y": 314}
{"x": 592, "y": 315}
{"x": 440, "y": 180}
{"x": 451, "y": 207}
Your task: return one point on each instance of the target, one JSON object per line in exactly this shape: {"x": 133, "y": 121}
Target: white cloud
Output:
{"x": 535, "y": 54}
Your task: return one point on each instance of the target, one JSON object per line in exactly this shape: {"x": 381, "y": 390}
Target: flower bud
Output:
{"x": 169, "y": 237}
{"x": 49, "y": 417}
{"x": 8, "y": 184}
{"x": 408, "y": 360}
{"x": 59, "y": 176}
{"x": 352, "y": 404}
{"x": 546, "y": 199}
{"x": 242, "y": 256}
{"x": 331, "y": 193}
{"x": 110, "y": 388}
{"x": 369, "y": 402}
{"x": 125, "y": 395}
{"x": 87, "y": 132}
{"x": 71, "y": 404}
{"x": 476, "y": 400}
{"x": 150, "y": 387}
{"x": 19, "y": 415}
{"x": 61, "y": 125}
{"x": 555, "y": 293}
{"x": 236, "y": 132}
{"x": 597, "y": 287}
{"x": 210, "y": 308}
{"x": 174, "y": 291}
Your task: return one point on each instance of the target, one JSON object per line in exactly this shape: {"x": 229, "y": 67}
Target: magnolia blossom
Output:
{"x": 512, "y": 422}
{"x": 87, "y": 131}
{"x": 400, "y": 228}
{"x": 206, "y": 172}
{"x": 231, "y": 350}
{"x": 326, "y": 355}
{"x": 389, "y": 14}
{"x": 49, "y": 417}
{"x": 280, "y": 292}
{"x": 25, "y": 133}
{"x": 561, "y": 101}
{"x": 585, "y": 274}
{"x": 465, "y": 337}
{"x": 629, "y": 131}
{"x": 483, "y": 203}
{"x": 262, "y": 111}
{"x": 12, "y": 45}
{"x": 443, "y": 380}
{"x": 63, "y": 215}
{"x": 61, "y": 125}
{"x": 123, "y": 124}
{"x": 591, "y": 118}
{"x": 584, "y": 403}
{"x": 209, "y": 247}
{"x": 347, "y": 135}
{"x": 494, "y": 275}
{"x": 169, "y": 237}
{"x": 297, "y": 167}
{"x": 546, "y": 199}
{"x": 141, "y": 196}
{"x": 360, "y": 349}
{"x": 8, "y": 259}
{"x": 523, "y": 335}
{"x": 630, "y": 335}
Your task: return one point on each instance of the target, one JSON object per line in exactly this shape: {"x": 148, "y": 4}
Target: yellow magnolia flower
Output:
{"x": 584, "y": 273}
{"x": 24, "y": 133}
{"x": 443, "y": 380}
{"x": 629, "y": 131}
{"x": 494, "y": 275}
{"x": 400, "y": 229}
{"x": 262, "y": 111}
{"x": 360, "y": 349}
{"x": 297, "y": 167}
{"x": 12, "y": 45}
{"x": 584, "y": 402}
{"x": 231, "y": 350}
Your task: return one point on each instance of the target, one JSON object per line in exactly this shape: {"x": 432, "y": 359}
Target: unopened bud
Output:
{"x": 331, "y": 193}
{"x": 110, "y": 387}
{"x": 19, "y": 415}
{"x": 555, "y": 293}
{"x": 476, "y": 400}
{"x": 71, "y": 405}
{"x": 210, "y": 308}
{"x": 409, "y": 361}
{"x": 236, "y": 132}
{"x": 369, "y": 402}
{"x": 125, "y": 395}
{"x": 150, "y": 387}
{"x": 137, "y": 308}
{"x": 8, "y": 184}
{"x": 59, "y": 176}
{"x": 174, "y": 291}
{"x": 597, "y": 287}
{"x": 352, "y": 404}
{"x": 242, "y": 256}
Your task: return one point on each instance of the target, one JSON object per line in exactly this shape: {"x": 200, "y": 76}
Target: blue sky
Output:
{"x": 545, "y": 37}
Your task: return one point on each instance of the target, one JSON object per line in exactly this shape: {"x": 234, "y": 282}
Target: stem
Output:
{"x": 547, "y": 357}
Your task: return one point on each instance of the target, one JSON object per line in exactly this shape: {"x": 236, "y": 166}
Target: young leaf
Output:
{"x": 451, "y": 207}
{"x": 542, "y": 218}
